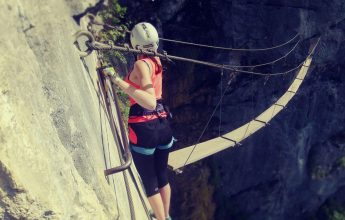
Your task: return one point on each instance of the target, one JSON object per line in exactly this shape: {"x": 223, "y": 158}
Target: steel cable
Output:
{"x": 229, "y": 48}
{"x": 101, "y": 46}
{"x": 210, "y": 118}
{"x": 268, "y": 63}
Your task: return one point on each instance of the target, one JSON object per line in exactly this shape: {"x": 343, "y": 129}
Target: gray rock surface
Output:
{"x": 55, "y": 138}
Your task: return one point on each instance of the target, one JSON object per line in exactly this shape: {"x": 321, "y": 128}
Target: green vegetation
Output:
{"x": 123, "y": 104}
{"x": 115, "y": 15}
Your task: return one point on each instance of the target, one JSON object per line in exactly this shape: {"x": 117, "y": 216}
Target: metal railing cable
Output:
{"x": 210, "y": 118}
{"x": 94, "y": 45}
{"x": 232, "y": 49}
{"x": 268, "y": 63}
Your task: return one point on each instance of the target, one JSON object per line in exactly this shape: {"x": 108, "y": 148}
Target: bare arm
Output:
{"x": 144, "y": 96}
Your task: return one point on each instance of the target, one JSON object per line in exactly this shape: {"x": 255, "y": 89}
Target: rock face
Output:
{"x": 55, "y": 138}
{"x": 294, "y": 168}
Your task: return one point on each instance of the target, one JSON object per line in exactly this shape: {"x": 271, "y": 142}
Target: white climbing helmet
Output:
{"x": 144, "y": 36}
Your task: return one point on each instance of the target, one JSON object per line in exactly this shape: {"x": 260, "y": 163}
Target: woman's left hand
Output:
{"x": 110, "y": 71}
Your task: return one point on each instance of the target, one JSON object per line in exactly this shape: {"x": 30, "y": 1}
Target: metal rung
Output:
{"x": 299, "y": 78}
{"x": 292, "y": 92}
{"x": 177, "y": 171}
{"x": 279, "y": 105}
{"x": 263, "y": 122}
{"x": 229, "y": 139}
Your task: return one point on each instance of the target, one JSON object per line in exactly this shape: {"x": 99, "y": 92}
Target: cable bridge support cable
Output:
{"x": 94, "y": 45}
{"x": 232, "y": 49}
{"x": 268, "y": 63}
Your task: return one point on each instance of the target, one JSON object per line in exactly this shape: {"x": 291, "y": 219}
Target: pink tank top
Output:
{"x": 156, "y": 77}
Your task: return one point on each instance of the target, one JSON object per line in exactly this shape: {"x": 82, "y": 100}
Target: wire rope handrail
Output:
{"x": 232, "y": 49}
{"x": 268, "y": 63}
{"x": 92, "y": 44}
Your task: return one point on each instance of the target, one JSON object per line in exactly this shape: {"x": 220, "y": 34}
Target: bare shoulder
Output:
{"x": 141, "y": 68}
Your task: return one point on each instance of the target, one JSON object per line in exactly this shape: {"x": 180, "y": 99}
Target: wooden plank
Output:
{"x": 178, "y": 159}
{"x": 244, "y": 131}
{"x": 267, "y": 115}
{"x": 295, "y": 85}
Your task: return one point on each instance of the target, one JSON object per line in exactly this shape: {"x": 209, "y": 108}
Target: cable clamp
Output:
{"x": 127, "y": 47}
{"x": 166, "y": 56}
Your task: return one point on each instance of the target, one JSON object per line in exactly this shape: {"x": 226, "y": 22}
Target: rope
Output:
{"x": 251, "y": 110}
{"x": 147, "y": 210}
{"x": 231, "y": 49}
{"x": 271, "y": 62}
{"x": 281, "y": 73}
{"x": 209, "y": 120}
{"x": 220, "y": 107}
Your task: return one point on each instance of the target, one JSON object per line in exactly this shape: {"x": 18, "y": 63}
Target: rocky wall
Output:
{"x": 55, "y": 138}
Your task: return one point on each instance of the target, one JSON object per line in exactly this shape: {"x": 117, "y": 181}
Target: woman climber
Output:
{"x": 150, "y": 134}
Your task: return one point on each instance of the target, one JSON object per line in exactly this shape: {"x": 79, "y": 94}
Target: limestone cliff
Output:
{"x": 55, "y": 139}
